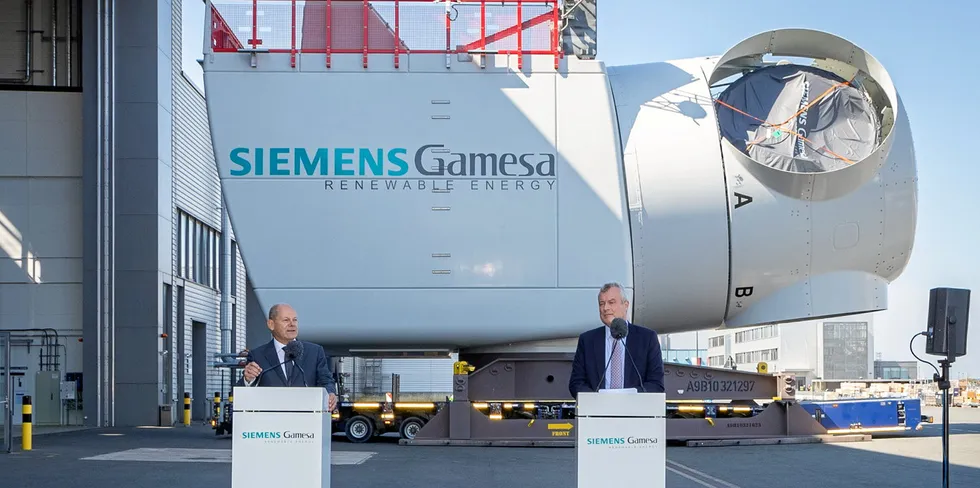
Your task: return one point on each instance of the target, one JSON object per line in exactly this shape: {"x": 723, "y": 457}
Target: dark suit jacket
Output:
{"x": 315, "y": 363}
{"x": 590, "y": 361}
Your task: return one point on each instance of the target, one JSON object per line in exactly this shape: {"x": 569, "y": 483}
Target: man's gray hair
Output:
{"x": 274, "y": 311}
{"x": 609, "y": 286}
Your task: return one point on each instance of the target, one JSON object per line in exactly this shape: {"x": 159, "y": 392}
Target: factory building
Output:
{"x": 116, "y": 255}
{"x": 115, "y": 258}
{"x": 833, "y": 349}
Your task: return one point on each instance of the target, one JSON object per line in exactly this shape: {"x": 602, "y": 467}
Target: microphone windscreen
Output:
{"x": 292, "y": 350}
{"x": 619, "y": 328}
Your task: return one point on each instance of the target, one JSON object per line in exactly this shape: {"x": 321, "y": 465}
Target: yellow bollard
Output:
{"x": 187, "y": 409}
{"x": 216, "y": 409}
{"x": 26, "y": 427}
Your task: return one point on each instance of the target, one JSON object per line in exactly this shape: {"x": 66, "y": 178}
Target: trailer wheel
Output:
{"x": 359, "y": 429}
{"x": 410, "y": 427}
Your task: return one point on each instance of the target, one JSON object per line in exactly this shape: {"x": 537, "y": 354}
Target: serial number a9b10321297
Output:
{"x": 743, "y": 386}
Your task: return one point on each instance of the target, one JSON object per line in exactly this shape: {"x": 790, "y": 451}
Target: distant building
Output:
{"x": 694, "y": 357}
{"x": 840, "y": 348}
{"x": 896, "y": 370}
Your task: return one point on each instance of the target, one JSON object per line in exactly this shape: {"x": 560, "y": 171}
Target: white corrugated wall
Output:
{"x": 369, "y": 379}
{"x": 420, "y": 375}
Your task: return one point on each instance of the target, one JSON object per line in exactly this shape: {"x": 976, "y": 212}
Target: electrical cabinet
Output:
{"x": 47, "y": 398}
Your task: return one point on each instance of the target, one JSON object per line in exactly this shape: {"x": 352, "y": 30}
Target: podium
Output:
{"x": 621, "y": 439}
{"x": 281, "y": 437}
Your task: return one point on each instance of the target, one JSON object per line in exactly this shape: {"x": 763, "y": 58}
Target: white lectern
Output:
{"x": 281, "y": 437}
{"x": 621, "y": 439}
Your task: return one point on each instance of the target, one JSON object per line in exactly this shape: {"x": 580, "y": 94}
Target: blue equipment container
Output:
{"x": 865, "y": 413}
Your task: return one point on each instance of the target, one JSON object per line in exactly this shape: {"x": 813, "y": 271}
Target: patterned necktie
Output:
{"x": 289, "y": 372}
{"x": 616, "y": 376}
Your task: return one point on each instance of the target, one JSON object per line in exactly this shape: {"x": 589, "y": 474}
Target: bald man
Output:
{"x": 314, "y": 364}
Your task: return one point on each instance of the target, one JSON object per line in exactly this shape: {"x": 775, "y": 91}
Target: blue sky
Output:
{"x": 929, "y": 54}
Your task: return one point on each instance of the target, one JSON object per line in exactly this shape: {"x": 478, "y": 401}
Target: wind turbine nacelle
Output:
{"x": 788, "y": 196}
{"x": 423, "y": 207}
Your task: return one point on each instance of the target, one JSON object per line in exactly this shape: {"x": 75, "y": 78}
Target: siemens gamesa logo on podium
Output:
{"x": 598, "y": 441}
{"x": 279, "y": 437}
{"x": 622, "y": 441}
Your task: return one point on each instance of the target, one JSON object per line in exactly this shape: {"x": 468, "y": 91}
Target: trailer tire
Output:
{"x": 410, "y": 427}
{"x": 359, "y": 429}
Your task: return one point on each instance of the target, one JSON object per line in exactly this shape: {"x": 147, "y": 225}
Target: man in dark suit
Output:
{"x": 595, "y": 349}
{"x": 315, "y": 363}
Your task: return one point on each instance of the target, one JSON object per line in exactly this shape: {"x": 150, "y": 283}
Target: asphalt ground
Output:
{"x": 192, "y": 457}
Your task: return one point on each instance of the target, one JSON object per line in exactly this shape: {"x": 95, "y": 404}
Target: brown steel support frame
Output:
{"x": 537, "y": 380}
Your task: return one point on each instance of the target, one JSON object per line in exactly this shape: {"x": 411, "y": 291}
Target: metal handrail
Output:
{"x": 7, "y": 410}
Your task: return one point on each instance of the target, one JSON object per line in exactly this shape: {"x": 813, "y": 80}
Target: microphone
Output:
{"x": 620, "y": 329}
{"x": 295, "y": 352}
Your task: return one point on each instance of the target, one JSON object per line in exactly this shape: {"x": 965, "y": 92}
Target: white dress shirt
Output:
{"x": 609, "y": 351}
{"x": 282, "y": 356}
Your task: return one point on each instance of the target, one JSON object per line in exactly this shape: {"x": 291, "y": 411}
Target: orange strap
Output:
{"x": 815, "y": 100}
{"x": 797, "y": 134}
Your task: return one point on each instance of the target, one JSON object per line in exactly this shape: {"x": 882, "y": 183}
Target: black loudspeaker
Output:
{"x": 949, "y": 315}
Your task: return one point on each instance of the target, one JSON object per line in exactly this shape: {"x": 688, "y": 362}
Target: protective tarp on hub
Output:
{"x": 779, "y": 104}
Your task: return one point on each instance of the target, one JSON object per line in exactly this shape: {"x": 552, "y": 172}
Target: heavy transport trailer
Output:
{"x": 525, "y": 401}
{"x": 521, "y": 402}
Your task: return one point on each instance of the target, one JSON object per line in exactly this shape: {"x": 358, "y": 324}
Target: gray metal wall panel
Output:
{"x": 41, "y": 246}
{"x": 142, "y": 124}
{"x": 90, "y": 215}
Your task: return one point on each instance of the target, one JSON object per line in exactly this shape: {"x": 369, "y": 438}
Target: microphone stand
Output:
{"x": 637, "y": 370}
{"x": 943, "y": 382}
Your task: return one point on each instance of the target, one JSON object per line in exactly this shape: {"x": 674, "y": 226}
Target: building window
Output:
{"x": 846, "y": 351}
{"x": 896, "y": 370}
{"x": 716, "y": 361}
{"x": 234, "y": 328}
{"x": 197, "y": 245}
{"x": 234, "y": 269}
{"x": 716, "y": 341}
{"x": 754, "y": 357}
{"x": 757, "y": 334}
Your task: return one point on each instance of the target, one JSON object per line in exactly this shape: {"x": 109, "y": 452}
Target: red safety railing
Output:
{"x": 388, "y": 27}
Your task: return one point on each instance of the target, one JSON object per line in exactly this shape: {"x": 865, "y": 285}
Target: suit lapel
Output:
{"x": 273, "y": 356}
{"x": 600, "y": 355}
